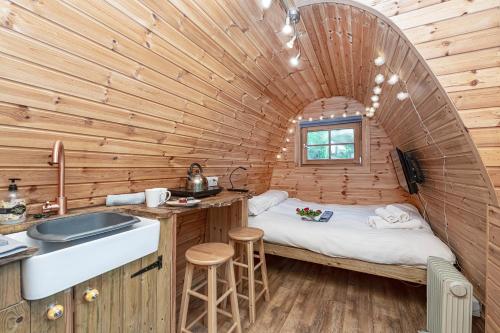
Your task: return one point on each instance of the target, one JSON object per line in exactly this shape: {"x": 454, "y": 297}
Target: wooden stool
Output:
{"x": 210, "y": 256}
{"x": 247, "y": 237}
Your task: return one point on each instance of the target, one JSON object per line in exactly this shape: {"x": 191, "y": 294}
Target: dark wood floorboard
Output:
{"x": 310, "y": 298}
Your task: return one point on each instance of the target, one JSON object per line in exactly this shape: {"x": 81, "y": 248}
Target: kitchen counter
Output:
{"x": 223, "y": 199}
{"x": 180, "y": 228}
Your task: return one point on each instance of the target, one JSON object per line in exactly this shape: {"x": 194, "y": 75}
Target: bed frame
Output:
{"x": 399, "y": 272}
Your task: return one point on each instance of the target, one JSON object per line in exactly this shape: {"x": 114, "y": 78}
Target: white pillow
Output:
{"x": 266, "y": 200}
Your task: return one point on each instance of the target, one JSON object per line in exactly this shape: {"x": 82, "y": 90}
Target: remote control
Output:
{"x": 326, "y": 216}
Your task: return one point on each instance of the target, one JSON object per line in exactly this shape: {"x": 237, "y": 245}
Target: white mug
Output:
{"x": 156, "y": 196}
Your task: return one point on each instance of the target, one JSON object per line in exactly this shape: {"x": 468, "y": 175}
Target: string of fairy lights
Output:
{"x": 290, "y": 29}
{"x": 392, "y": 79}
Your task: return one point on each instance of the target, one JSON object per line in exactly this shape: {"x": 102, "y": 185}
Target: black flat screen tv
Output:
{"x": 407, "y": 171}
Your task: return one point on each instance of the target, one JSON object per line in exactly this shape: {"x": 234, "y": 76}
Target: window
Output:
{"x": 331, "y": 144}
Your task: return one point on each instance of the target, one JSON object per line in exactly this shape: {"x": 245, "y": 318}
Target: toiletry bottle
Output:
{"x": 12, "y": 207}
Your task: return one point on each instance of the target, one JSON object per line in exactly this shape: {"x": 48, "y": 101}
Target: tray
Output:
{"x": 184, "y": 193}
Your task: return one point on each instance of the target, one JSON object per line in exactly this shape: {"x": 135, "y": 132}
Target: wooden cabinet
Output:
{"x": 102, "y": 314}
{"x": 137, "y": 297}
{"x": 10, "y": 284}
{"x": 116, "y": 301}
{"x": 40, "y": 309}
{"x": 123, "y": 304}
{"x": 15, "y": 319}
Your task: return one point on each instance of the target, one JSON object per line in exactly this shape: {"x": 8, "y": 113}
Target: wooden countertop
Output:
{"x": 222, "y": 199}
{"x": 18, "y": 256}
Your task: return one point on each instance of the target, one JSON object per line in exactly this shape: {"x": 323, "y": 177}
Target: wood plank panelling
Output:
{"x": 460, "y": 41}
{"x": 374, "y": 184}
{"x": 131, "y": 87}
{"x": 15, "y": 319}
{"x": 457, "y": 188}
{"x": 140, "y": 89}
{"x": 10, "y": 284}
{"x": 493, "y": 271}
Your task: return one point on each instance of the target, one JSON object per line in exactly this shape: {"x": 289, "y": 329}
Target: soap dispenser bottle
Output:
{"x": 12, "y": 206}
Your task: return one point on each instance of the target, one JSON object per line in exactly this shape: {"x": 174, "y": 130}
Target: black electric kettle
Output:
{"x": 195, "y": 180}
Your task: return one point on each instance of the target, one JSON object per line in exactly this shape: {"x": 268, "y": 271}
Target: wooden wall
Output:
{"x": 457, "y": 190}
{"x": 493, "y": 272}
{"x": 460, "y": 41}
{"x": 137, "y": 90}
{"x": 376, "y": 183}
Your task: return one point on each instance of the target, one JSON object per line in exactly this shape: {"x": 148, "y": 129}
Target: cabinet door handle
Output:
{"x": 90, "y": 295}
{"x": 55, "y": 311}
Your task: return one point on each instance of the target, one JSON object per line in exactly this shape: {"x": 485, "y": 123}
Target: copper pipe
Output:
{"x": 58, "y": 158}
{"x": 59, "y": 204}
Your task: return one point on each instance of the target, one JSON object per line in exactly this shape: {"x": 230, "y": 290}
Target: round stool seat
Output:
{"x": 207, "y": 254}
{"x": 246, "y": 234}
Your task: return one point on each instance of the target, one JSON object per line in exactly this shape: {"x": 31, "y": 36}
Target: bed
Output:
{"x": 347, "y": 241}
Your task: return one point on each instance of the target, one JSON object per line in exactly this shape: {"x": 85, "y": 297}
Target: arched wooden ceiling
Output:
{"x": 340, "y": 40}
{"x": 138, "y": 89}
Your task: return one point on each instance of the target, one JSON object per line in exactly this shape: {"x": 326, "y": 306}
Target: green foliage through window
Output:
{"x": 318, "y": 153}
{"x": 330, "y": 144}
{"x": 317, "y": 138}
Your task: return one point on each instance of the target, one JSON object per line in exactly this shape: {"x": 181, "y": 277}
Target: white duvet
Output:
{"x": 348, "y": 234}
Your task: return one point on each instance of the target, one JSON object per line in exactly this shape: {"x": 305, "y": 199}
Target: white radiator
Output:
{"x": 449, "y": 298}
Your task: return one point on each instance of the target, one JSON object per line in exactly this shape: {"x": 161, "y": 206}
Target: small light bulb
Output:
{"x": 266, "y": 3}
{"x": 377, "y": 90}
{"x": 379, "y": 61}
{"x": 310, "y": 119}
{"x": 299, "y": 117}
{"x": 287, "y": 28}
{"x": 287, "y": 140}
{"x": 393, "y": 79}
{"x": 321, "y": 118}
{"x": 291, "y": 42}
{"x": 294, "y": 121}
{"x": 367, "y": 109}
{"x": 402, "y": 95}
{"x": 332, "y": 116}
{"x": 358, "y": 113}
{"x": 376, "y": 105}
{"x": 283, "y": 149}
{"x": 372, "y": 110}
{"x": 379, "y": 79}
{"x": 290, "y": 130}
{"x": 370, "y": 115}
{"x": 294, "y": 61}
{"x": 344, "y": 114}
{"x": 375, "y": 98}
{"x": 278, "y": 156}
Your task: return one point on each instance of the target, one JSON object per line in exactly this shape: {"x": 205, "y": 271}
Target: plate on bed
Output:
{"x": 177, "y": 203}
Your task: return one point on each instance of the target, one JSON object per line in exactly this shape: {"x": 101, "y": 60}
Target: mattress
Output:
{"x": 348, "y": 234}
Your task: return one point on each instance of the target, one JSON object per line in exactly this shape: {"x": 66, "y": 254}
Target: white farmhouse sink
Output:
{"x": 58, "y": 266}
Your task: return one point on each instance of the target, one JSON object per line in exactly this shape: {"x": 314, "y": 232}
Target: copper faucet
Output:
{"x": 59, "y": 205}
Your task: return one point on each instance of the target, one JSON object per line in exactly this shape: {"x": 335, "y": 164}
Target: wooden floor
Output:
{"x": 310, "y": 298}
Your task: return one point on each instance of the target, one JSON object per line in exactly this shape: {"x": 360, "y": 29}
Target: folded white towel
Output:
{"x": 379, "y": 223}
{"x": 398, "y": 212}
{"x": 386, "y": 215}
{"x": 126, "y": 199}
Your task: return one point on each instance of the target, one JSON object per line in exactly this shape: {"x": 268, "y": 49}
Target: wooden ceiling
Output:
{"x": 139, "y": 89}
{"x": 337, "y": 48}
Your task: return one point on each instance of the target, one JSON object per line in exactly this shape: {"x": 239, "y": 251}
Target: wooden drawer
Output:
{"x": 15, "y": 319}
{"x": 10, "y": 284}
